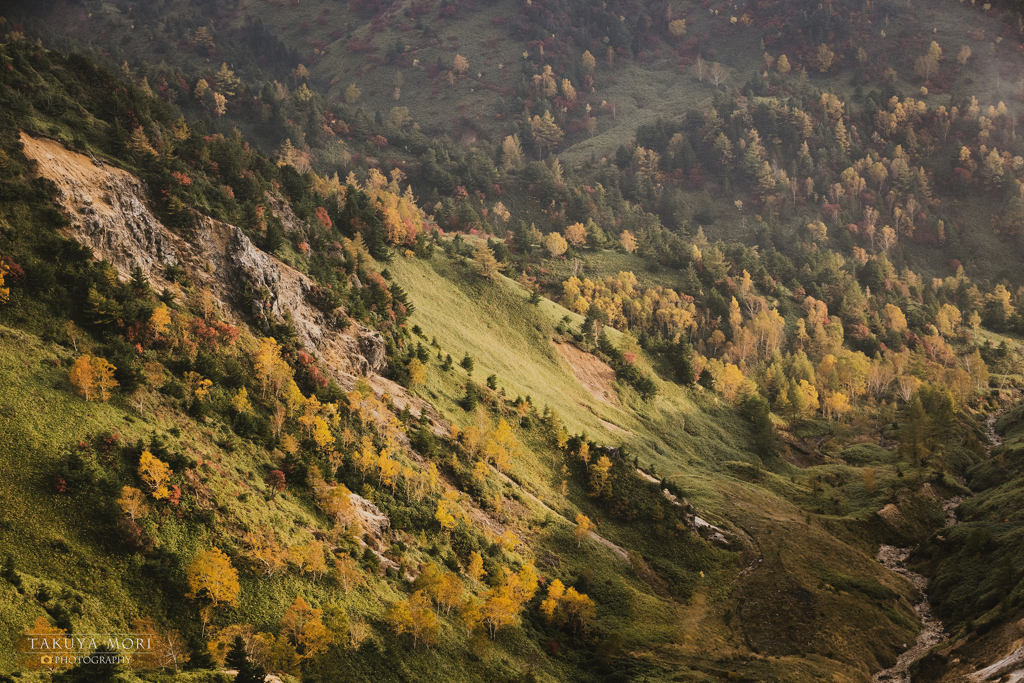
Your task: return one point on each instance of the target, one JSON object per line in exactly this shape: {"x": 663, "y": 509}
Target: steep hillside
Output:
{"x": 385, "y": 402}
{"x": 675, "y": 567}
{"x": 788, "y": 561}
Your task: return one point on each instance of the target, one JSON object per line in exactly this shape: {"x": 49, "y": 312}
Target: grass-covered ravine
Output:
{"x": 642, "y": 360}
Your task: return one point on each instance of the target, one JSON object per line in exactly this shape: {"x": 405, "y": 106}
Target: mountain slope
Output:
{"x": 253, "y": 375}
{"x": 676, "y": 558}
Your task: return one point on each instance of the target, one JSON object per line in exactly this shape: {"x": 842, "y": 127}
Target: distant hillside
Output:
{"x": 346, "y": 85}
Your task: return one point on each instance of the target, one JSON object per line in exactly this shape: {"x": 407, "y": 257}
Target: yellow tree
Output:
{"x": 155, "y": 474}
{"x": 835, "y": 405}
{"x": 227, "y": 82}
{"x": 202, "y": 389}
{"x": 471, "y": 439}
{"x": 271, "y": 370}
{"x": 460, "y": 65}
{"x": 576, "y": 234}
{"x": 555, "y": 244}
{"x": 257, "y": 645}
{"x": 5, "y": 292}
{"x": 568, "y": 607}
{"x": 628, "y": 241}
{"x": 309, "y": 558}
{"x": 240, "y": 401}
{"x": 948, "y": 319}
{"x": 803, "y": 396}
{"x": 824, "y": 58}
{"x": 579, "y": 610}
{"x": 484, "y": 261}
{"x": 568, "y": 91}
{"x": 730, "y": 380}
{"x": 444, "y": 515}
{"x": 93, "y": 377}
{"x": 336, "y": 502}
{"x": 160, "y": 321}
{"x": 735, "y": 318}
{"x": 347, "y": 573}
{"x": 600, "y": 477}
{"x": 549, "y": 606}
{"x": 475, "y": 570}
{"x": 388, "y": 469}
{"x": 212, "y": 581}
{"x": 415, "y": 617}
{"x": 480, "y": 471}
{"x": 583, "y": 527}
{"x": 265, "y": 552}
{"x": 303, "y": 626}
{"x": 511, "y": 153}
{"x": 133, "y": 503}
{"x": 498, "y": 611}
{"x": 503, "y": 603}
{"x": 501, "y": 446}
{"x": 417, "y": 372}
{"x": 584, "y": 453}
{"x": 31, "y": 659}
{"x": 508, "y": 540}
{"x": 449, "y": 592}
{"x": 894, "y": 318}
{"x": 588, "y": 62}
{"x": 352, "y": 93}
{"x": 202, "y": 87}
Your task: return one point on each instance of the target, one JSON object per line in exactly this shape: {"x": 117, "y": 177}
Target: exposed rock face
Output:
{"x": 108, "y": 212}
{"x": 373, "y": 522}
{"x": 701, "y": 527}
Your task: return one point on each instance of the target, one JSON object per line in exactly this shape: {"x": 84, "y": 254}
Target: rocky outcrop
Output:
{"x": 108, "y": 211}
{"x": 701, "y": 527}
{"x": 375, "y": 525}
{"x": 373, "y": 522}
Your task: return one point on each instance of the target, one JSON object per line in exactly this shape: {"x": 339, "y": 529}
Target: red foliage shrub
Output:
{"x": 276, "y": 481}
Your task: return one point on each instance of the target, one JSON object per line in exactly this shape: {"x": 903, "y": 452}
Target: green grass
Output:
{"x": 689, "y": 436}
{"x": 502, "y": 332}
{"x": 696, "y": 441}
{"x": 55, "y": 539}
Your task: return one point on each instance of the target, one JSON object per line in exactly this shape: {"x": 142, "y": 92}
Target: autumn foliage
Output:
{"x": 93, "y": 377}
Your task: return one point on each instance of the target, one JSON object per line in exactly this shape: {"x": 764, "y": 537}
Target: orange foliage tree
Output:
{"x": 93, "y": 377}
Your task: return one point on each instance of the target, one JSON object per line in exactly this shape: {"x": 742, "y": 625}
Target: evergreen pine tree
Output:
{"x": 239, "y": 661}
{"x": 200, "y": 658}
{"x": 471, "y": 399}
{"x": 682, "y": 363}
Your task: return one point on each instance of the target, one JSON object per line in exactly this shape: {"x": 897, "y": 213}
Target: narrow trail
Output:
{"x": 895, "y": 560}
{"x": 617, "y": 549}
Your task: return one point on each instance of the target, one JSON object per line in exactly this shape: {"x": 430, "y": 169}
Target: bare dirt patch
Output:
{"x": 61, "y": 164}
{"x": 614, "y": 427}
{"x": 594, "y": 374}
